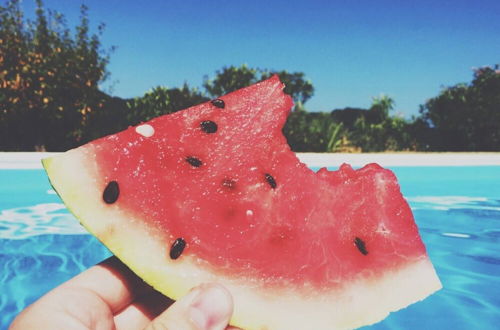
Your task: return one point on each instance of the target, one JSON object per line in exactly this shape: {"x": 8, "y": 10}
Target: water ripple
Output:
{"x": 47, "y": 218}
{"x": 461, "y": 233}
{"x": 32, "y": 266}
{"x": 445, "y": 203}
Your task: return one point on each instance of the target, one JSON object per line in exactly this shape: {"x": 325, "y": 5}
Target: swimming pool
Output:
{"x": 457, "y": 209}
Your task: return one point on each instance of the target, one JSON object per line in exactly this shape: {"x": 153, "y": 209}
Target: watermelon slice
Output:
{"x": 214, "y": 193}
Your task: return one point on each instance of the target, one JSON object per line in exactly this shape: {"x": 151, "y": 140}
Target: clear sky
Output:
{"x": 351, "y": 50}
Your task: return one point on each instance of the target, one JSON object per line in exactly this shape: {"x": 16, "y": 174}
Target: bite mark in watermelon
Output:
{"x": 214, "y": 193}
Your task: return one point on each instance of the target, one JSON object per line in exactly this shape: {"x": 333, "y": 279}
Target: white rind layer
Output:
{"x": 74, "y": 178}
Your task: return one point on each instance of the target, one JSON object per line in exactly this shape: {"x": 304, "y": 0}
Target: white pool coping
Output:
{"x": 31, "y": 160}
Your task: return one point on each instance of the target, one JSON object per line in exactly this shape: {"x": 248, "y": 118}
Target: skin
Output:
{"x": 111, "y": 296}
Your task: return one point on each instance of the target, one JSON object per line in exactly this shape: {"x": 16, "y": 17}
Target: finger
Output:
{"x": 61, "y": 308}
{"x": 142, "y": 311}
{"x": 89, "y": 300}
{"x": 112, "y": 281}
{"x": 207, "y": 307}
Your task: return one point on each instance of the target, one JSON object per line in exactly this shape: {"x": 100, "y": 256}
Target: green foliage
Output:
{"x": 466, "y": 117}
{"x": 381, "y": 106}
{"x": 111, "y": 117}
{"x": 334, "y": 137}
{"x": 348, "y": 116}
{"x": 232, "y": 78}
{"x": 49, "y": 79}
{"x": 296, "y": 85}
{"x": 313, "y": 132}
{"x": 374, "y": 130}
{"x": 161, "y": 101}
{"x": 50, "y": 100}
{"x": 390, "y": 135}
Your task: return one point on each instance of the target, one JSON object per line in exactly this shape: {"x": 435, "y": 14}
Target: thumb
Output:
{"x": 206, "y": 307}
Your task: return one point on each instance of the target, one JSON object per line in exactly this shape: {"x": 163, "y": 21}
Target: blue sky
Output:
{"x": 350, "y": 50}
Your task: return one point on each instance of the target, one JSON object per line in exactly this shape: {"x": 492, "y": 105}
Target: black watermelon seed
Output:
{"x": 360, "y": 244}
{"x": 270, "y": 180}
{"x": 111, "y": 192}
{"x": 218, "y": 103}
{"x": 193, "y": 161}
{"x": 208, "y": 126}
{"x": 177, "y": 248}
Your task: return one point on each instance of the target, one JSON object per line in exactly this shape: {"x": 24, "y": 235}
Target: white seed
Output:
{"x": 249, "y": 213}
{"x": 145, "y": 130}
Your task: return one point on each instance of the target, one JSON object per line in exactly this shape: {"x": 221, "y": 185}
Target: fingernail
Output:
{"x": 212, "y": 307}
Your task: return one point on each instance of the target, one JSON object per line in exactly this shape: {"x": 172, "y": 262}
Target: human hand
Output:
{"x": 111, "y": 296}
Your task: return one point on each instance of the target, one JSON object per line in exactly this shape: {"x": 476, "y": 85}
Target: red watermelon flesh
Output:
{"x": 213, "y": 192}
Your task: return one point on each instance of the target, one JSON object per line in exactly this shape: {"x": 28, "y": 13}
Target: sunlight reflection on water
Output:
{"x": 47, "y": 218}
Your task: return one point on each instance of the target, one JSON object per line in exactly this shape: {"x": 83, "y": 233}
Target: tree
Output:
{"x": 111, "y": 118}
{"x": 377, "y": 131}
{"x": 380, "y": 108}
{"x": 466, "y": 117}
{"x": 161, "y": 101}
{"x": 232, "y": 78}
{"x": 296, "y": 85}
{"x": 313, "y": 132}
{"x": 49, "y": 79}
{"x": 348, "y": 116}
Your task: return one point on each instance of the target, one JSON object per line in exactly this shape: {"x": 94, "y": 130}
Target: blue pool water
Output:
{"x": 456, "y": 208}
